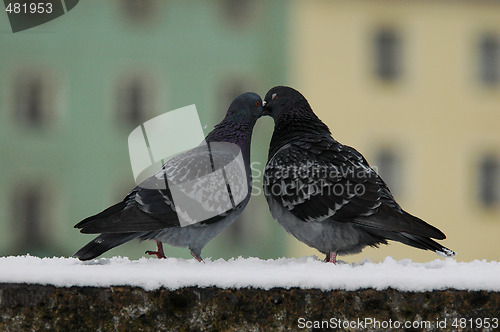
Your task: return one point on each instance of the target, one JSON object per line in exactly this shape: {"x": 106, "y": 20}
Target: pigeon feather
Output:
{"x": 325, "y": 193}
{"x": 149, "y": 211}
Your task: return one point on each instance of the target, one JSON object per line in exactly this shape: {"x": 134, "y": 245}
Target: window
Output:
{"x": 29, "y": 214}
{"x": 489, "y": 59}
{"x": 34, "y": 101}
{"x": 388, "y": 166}
{"x": 138, "y": 10}
{"x": 489, "y": 181}
{"x": 136, "y": 100}
{"x": 238, "y": 12}
{"x": 135, "y": 105}
{"x": 229, "y": 89}
{"x": 387, "y": 55}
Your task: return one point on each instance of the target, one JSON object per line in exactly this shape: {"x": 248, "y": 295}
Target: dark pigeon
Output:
{"x": 325, "y": 193}
{"x": 149, "y": 211}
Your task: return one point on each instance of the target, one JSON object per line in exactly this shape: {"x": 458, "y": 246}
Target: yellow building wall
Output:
{"x": 437, "y": 115}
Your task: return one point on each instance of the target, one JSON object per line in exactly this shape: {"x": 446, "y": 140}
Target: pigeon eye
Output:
{"x": 257, "y": 103}
{"x": 274, "y": 96}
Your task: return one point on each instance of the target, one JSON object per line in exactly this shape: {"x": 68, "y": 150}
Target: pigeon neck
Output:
{"x": 296, "y": 128}
{"x": 236, "y": 133}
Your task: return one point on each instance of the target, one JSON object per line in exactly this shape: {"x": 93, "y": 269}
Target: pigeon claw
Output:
{"x": 331, "y": 257}
{"x": 197, "y": 257}
{"x": 159, "y": 253}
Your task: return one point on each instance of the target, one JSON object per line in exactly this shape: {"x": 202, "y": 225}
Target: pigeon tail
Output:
{"x": 445, "y": 252}
{"x": 112, "y": 210}
{"x": 424, "y": 243}
{"x": 127, "y": 220}
{"x": 196, "y": 253}
{"x": 103, "y": 243}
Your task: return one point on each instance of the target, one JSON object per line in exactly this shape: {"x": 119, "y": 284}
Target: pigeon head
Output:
{"x": 292, "y": 116}
{"x": 240, "y": 119}
{"x": 283, "y": 102}
{"x": 247, "y": 107}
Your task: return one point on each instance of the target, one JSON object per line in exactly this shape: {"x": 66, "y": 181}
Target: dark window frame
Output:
{"x": 34, "y": 99}
{"x": 31, "y": 210}
{"x": 136, "y": 99}
{"x": 389, "y": 165}
{"x": 139, "y": 11}
{"x": 387, "y": 54}
{"x": 489, "y": 59}
{"x": 239, "y": 13}
{"x": 488, "y": 193}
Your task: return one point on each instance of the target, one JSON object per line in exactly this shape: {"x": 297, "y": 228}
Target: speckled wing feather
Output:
{"x": 320, "y": 180}
{"x": 151, "y": 205}
{"x": 213, "y": 175}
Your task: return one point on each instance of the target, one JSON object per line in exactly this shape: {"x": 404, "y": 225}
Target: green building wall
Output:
{"x": 186, "y": 52}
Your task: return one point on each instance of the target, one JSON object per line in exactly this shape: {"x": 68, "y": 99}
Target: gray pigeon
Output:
{"x": 325, "y": 193}
{"x": 214, "y": 177}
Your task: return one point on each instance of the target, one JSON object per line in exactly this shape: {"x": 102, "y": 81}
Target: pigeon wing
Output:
{"x": 318, "y": 179}
{"x": 152, "y": 204}
{"x": 211, "y": 177}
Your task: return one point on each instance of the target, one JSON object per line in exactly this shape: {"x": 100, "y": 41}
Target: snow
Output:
{"x": 306, "y": 272}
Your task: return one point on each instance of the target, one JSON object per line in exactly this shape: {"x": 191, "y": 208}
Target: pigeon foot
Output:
{"x": 198, "y": 258}
{"x": 159, "y": 253}
{"x": 331, "y": 257}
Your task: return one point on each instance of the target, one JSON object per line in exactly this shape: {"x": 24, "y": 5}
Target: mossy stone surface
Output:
{"x": 25, "y": 307}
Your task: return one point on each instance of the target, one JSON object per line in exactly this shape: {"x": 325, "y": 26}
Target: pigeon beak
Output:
{"x": 265, "y": 109}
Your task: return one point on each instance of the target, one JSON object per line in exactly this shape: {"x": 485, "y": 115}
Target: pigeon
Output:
{"x": 325, "y": 193}
{"x": 215, "y": 176}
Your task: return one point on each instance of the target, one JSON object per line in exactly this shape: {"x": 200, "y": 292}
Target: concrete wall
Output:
{"x": 36, "y": 307}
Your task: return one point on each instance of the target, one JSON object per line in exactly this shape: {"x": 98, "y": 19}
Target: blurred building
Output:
{"x": 415, "y": 87}
{"x": 73, "y": 89}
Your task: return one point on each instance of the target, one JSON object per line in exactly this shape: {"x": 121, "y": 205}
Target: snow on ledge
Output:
{"x": 306, "y": 273}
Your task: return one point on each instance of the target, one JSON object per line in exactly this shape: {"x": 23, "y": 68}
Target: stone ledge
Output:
{"x": 36, "y": 307}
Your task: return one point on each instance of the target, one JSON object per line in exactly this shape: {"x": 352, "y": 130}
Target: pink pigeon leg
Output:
{"x": 159, "y": 253}
{"x": 331, "y": 257}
